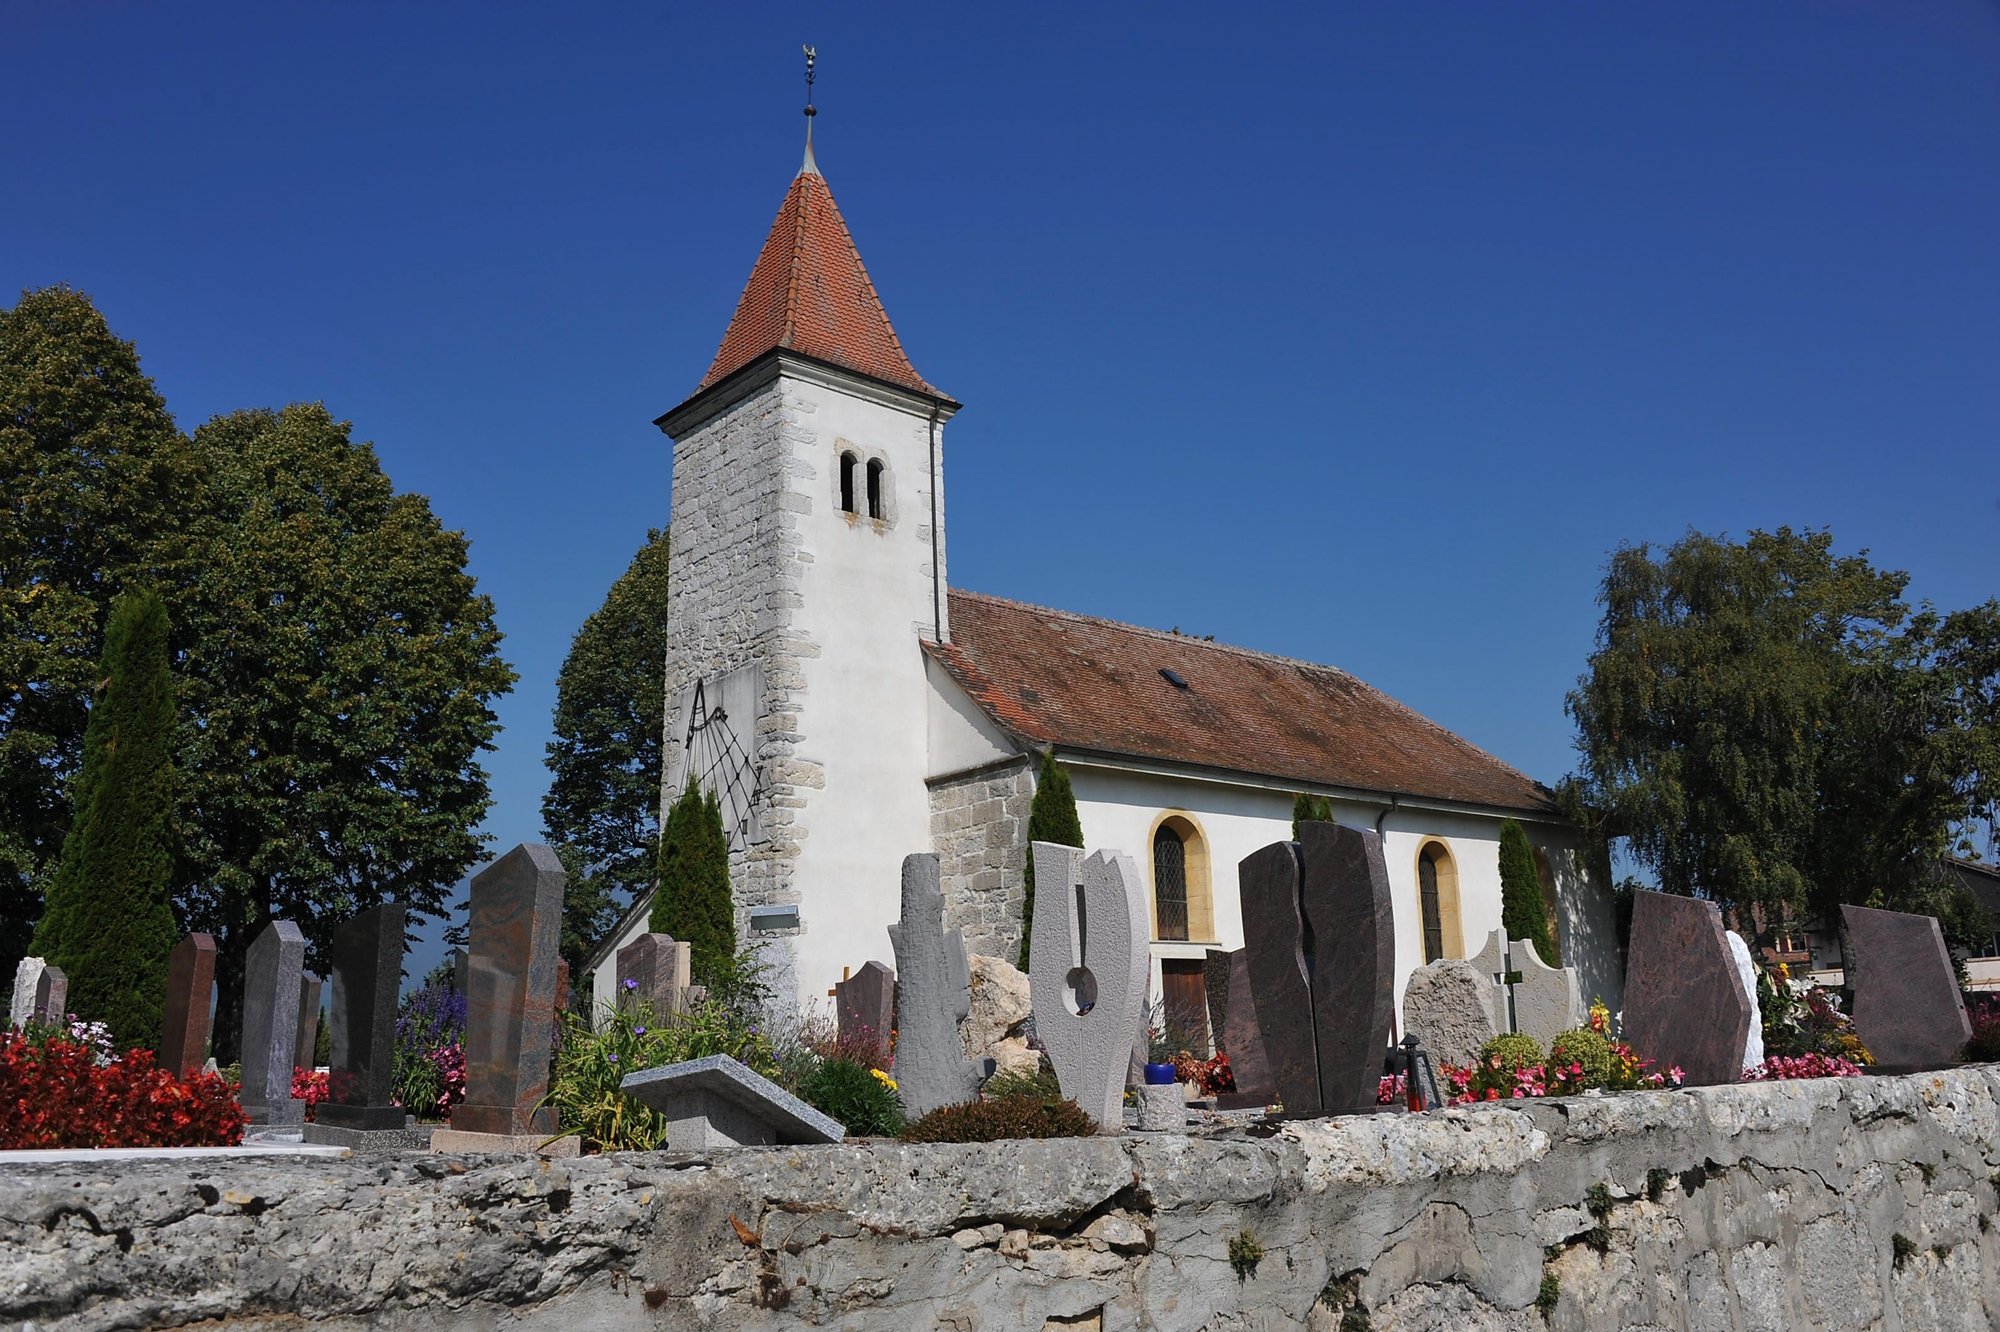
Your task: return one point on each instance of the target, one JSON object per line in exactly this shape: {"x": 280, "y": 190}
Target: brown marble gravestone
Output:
{"x": 190, "y": 978}
{"x": 1319, "y": 929}
{"x": 1907, "y": 1007}
{"x": 510, "y": 1008}
{"x": 1685, "y": 1005}
{"x": 864, "y": 1007}
{"x": 1244, "y": 1042}
{"x": 657, "y": 967}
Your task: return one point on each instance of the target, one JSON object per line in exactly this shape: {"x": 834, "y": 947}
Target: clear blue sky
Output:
{"x": 1357, "y": 334}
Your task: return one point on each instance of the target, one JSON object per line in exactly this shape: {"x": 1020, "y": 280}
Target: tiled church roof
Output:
{"x": 810, "y": 294}
{"x": 1051, "y": 677}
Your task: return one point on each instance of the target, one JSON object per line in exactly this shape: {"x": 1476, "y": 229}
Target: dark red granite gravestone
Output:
{"x": 657, "y": 967}
{"x": 367, "y": 973}
{"x": 510, "y": 1005}
{"x": 1907, "y": 1007}
{"x": 1319, "y": 931}
{"x": 1244, "y": 1041}
{"x": 864, "y": 1007}
{"x": 190, "y": 981}
{"x": 1685, "y": 1005}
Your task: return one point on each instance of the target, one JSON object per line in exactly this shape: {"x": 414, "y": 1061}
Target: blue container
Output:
{"x": 1159, "y": 1075}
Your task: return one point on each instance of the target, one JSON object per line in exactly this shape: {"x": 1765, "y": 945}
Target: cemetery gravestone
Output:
{"x": 935, "y": 982}
{"x": 1215, "y": 984}
{"x": 1243, "y": 1040}
{"x": 27, "y": 979}
{"x": 190, "y": 978}
{"x": 1530, "y": 996}
{"x": 657, "y": 969}
{"x": 271, "y": 1025}
{"x": 51, "y": 1006}
{"x": 1746, "y": 971}
{"x": 1907, "y": 1007}
{"x": 1448, "y": 1006}
{"x": 461, "y": 969}
{"x": 367, "y": 973}
{"x": 562, "y": 988}
{"x": 864, "y": 1007}
{"x": 1325, "y": 1017}
{"x": 1685, "y": 1006}
{"x": 717, "y": 1102}
{"x": 516, "y": 928}
{"x": 1087, "y": 969}
{"x": 309, "y": 1005}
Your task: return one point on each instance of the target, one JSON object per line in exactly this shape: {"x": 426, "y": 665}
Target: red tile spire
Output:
{"x": 809, "y": 293}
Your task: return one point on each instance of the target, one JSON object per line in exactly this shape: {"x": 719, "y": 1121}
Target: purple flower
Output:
{"x": 613, "y": 1056}
{"x": 630, "y": 984}
{"x": 638, "y": 1031}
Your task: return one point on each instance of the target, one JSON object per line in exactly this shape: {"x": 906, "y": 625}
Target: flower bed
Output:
{"x": 61, "y": 1092}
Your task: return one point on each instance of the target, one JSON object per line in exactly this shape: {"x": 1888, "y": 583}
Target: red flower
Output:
{"x": 56, "y": 1094}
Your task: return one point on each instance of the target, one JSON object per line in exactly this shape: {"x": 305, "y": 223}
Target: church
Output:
{"x": 848, "y": 706}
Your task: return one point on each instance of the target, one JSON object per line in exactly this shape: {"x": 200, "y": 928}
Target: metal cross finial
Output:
{"x": 812, "y": 57}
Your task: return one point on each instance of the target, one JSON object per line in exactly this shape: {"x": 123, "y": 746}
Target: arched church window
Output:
{"x": 1437, "y": 902}
{"x": 875, "y": 509}
{"x": 848, "y": 463}
{"x": 1170, "y": 889}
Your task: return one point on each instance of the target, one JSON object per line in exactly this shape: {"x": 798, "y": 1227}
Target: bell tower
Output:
{"x": 806, "y": 567}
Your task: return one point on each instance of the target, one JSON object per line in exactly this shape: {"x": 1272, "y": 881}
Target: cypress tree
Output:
{"x": 110, "y": 920}
{"x": 1521, "y": 909}
{"x": 1310, "y": 809}
{"x": 693, "y": 903}
{"x": 1052, "y": 818}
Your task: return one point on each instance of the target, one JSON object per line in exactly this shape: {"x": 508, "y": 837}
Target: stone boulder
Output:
{"x": 996, "y": 1028}
{"x": 1449, "y": 1006}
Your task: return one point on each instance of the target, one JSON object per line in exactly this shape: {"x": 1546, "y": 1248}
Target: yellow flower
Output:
{"x": 883, "y": 1078}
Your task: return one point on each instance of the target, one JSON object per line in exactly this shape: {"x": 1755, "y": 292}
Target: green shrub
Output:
{"x": 1051, "y": 818}
{"x": 1515, "y": 1050}
{"x": 1040, "y": 1084}
{"x": 1586, "y": 1048}
{"x": 1523, "y": 910}
{"x": 590, "y": 1064}
{"x": 693, "y": 902}
{"x": 1000, "y": 1118}
{"x": 862, "y": 1099}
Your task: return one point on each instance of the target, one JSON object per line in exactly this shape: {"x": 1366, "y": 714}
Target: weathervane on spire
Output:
{"x": 812, "y": 57}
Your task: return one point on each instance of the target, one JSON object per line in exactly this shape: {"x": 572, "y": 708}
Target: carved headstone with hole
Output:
{"x": 271, "y": 973}
{"x": 1087, "y": 970}
{"x": 935, "y": 983}
{"x": 1325, "y": 1014}
{"x": 1907, "y": 1007}
{"x": 190, "y": 986}
{"x": 1685, "y": 1005}
{"x": 367, "y": 974}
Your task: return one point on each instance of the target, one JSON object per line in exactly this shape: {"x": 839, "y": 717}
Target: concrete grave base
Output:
{"x": 407, "y": 1138}
{"x": 1162, "y": 1108}
{"x": 460, "y": 1143}
{"x": 280, "y": 1115}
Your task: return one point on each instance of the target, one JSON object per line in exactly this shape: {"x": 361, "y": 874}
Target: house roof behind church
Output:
{"x": 1052, "y": 677}
{"x": 810, "y": 294}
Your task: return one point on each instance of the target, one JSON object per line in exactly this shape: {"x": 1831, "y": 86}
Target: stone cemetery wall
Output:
{"x": 1830, "y": 1204}
{"x": 979, "y": 829}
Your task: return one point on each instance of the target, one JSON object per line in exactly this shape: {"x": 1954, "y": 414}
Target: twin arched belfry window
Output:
{"x": 852, "y": 475}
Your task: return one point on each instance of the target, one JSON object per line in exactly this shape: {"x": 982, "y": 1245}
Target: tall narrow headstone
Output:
{"x": 190, "y": 980}
{"x": 1685, "y": 1006}
{"x": 51, "y": 1007}
{"x": 1746, "y": 971}
{"x": 864, "y": 1007}
{"x": 27, "y": 983}
{"x": 510, "y": 1006}
{"x": 1907, "y": 1007}
{"x": 271, "y": 1025}
{"x": 367, "y": 956}
{"x": 936, "y": 981}
{"x": 1243, "y": 1040}
{"x": 654, "y": 969}
{"x": 1215, "y": 984}
{"x": 1087, "y": 971}
{"x": 1320, "y": 933}
{"x": 461, "y": 970}
{"x": 309, "y": 1006}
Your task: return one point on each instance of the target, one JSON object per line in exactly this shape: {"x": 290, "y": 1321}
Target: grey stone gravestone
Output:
{"x": 1087, "y": 970}
{"x": 1448, "y": 1006}
{"x": 27, "y": 979}
{"x": 309, "y": 1006}
{"x": 1685, "y": 1006}
{"x": 367, "y": 956}
{"x": 1907, "y": 1007}
{"x": 935, "y": 983}
{"x": 51, "y": 1006}
{"x": 717, "y": 1102}
{"x": 516, "y": 928}
{"x": 190, "y": 980}
{"x": 864, "y": 1007}
{"x": 461, "y": 970}
{"x": 1530, "y": 996}
{"x": 1325, "y": 1015}
{"x": 1243, "y": 1039}
{"x": 271, "y": 1025}
{"x": 1746, "y": 971}
{"x": 658, "y": 967}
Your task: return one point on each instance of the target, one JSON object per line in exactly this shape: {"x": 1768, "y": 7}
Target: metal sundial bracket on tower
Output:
{"x": 713, "y": 752}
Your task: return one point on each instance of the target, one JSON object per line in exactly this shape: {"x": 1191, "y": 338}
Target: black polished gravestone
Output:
{"x": 1320, "y": 943}
{"x": 367, "y": 972}
{"x": 309, "y": 1006}
{"x": 271, "y": 1025}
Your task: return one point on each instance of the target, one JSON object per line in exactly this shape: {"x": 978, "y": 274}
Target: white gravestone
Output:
{"x": 1448, "y": 1006}
{"x": 27, "y": 977}
{"x": 1753, "y": 1045}
{"x": 1530, "y": 996}
{"x": 934, "y": 984}
{"x": 1087, "y": 970}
